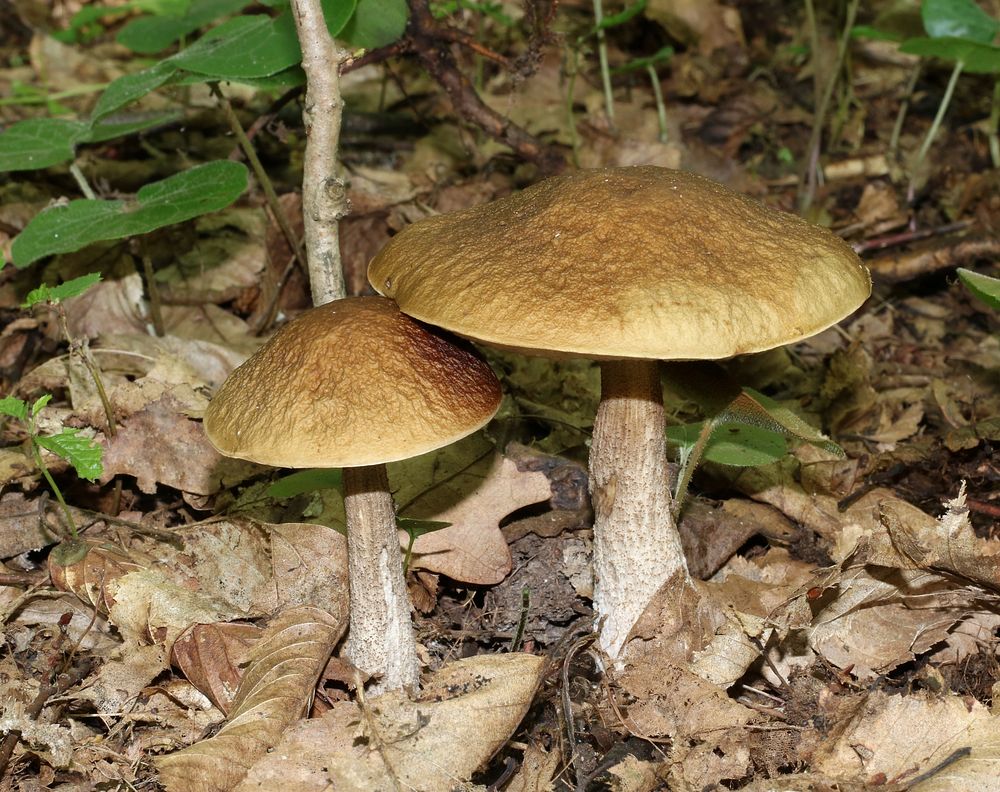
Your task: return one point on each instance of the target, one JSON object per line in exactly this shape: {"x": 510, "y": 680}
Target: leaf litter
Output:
{"x": 843, "y": 634}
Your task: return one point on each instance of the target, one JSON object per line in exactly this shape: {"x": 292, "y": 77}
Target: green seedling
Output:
{"x": 82, "y": 453}
{"x": 603, "y": 23}
{"x": 649, "y": 64}
{"x": 751, "y": 431}
{"x": 984, "y": 287}
{"x": 961, "y": 32}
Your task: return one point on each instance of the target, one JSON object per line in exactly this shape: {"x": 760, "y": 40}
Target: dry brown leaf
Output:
{"x": 160, "y": 445}
{"x": 310, "y": 567}
{"x": 898, "y": 593}
{"x": 26, "y": 526}
{"x": 709, "y": 24}
{"x": 902, "y": 737}
{"x": 87, "y": 570}
{"x": 151, "y": 605}
{"x": 473, "y": 488}
{"x": 212, "y": 658}
{"x": 538, "y": 769}
{"x": 111, "y": 306}
{"x": 465, "y": 712}
{"x": 122, "y": 676}
{"x": 275, "y": 691}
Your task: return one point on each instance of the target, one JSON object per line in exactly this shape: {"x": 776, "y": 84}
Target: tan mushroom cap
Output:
{"x": 640, "y": 262}
{"x": 353, "y": 382}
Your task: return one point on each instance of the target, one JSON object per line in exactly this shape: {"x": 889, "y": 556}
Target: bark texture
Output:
{"x": 380, "y": 641}
{"x": 636, "y": 544}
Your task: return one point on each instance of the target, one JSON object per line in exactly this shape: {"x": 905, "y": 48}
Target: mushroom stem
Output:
{"x": 381, "y": 641}
{"x": 636, "y": 544}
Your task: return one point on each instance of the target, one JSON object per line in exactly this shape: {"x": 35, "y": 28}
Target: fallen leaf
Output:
{"x": 465, "y": 712}
{"x": 212, "y": 658}
{"x": 473, "y": 488}
{"x": 275, "y": 691}
{"x": 902, "y": 737}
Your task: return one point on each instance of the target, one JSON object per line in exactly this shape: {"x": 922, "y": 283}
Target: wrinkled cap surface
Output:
{"x": 353, "y": 382}
{"x": 640, "y": 262}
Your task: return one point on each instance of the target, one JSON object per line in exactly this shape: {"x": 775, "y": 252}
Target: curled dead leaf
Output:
{"x": 466, "y": 711}
{"x": 275, "y": 691}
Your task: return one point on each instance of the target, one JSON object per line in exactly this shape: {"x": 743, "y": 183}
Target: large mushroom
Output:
{"x": 629, "y": 266}
{"x": 354, "y": 384}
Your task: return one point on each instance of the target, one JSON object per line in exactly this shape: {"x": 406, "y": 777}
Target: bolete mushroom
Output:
{"x": 355, "y": 383}
{"x": 629, "y": 266}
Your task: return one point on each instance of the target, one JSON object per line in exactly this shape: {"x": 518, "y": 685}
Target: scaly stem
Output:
{"x": 380, "y": 641}
{"x": 636, "y": 544}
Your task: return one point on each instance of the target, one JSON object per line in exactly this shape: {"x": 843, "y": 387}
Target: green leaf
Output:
{"x": 14, "y": 408}
{"x": 40, "y": 403}
{"x": 191, "y": 193}
{"x": 984, "y": 287}
{"x": 119, "y": 126}
{"x": 63, "y": 291}
{"x": 961, "y": 19}
{"x": 614, "y": 20}
{"x": 150, "y": 34}
{"x": 131, "y": 87}
{"x": 660, "y": 56}
{"x": 977, "y": 58}
{"x": 337, "y": 14}
{"x": 875, "y": 34}
{"x": 247, "y": 46}
{"x": 86, "y": 21}
{"x": 751, "y": 408}
{"x": 416, "y": 528}
{"x": 40, "y": 143}
{"x": 376, "y": 23}
{"x": 734, "y": 444}
{"x": 303, "y": 481}
{"x": 83, "y": 453}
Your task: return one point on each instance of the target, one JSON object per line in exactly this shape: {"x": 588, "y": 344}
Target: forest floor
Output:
{"x": 844, "y": 635}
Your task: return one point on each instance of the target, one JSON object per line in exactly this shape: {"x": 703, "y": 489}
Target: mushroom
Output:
{"x": 629, "y": 266}
{"x": 355, "y": 383}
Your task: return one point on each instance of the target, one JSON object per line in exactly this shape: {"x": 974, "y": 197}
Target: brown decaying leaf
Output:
{"x": 900, "y": 591}
{"x": 161, "y": 445}
{"x": 473, "y": 548}
{"x": 538, "y": 768}
{"x": 275, "y": 691}
{"x": 310, "y": 567}
{"x": 90, "y": 570}
{"x": 212, "y": 657}
{"x": 465, "y": 712}
{"x": 900, "y": 738}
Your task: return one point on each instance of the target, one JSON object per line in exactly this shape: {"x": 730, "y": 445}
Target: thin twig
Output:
{"x": 262, "y": 178}
{"x": 424, "y": 36}
{"x": 324, "y": 194}
{"x": 809, "y": 176}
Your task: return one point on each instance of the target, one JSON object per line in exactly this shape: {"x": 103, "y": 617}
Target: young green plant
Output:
{"x": 82, "y": 453}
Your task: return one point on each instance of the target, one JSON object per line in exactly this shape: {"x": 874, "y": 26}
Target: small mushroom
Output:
{"x": 355, "y": 383}
{"x": 629, "y": 266}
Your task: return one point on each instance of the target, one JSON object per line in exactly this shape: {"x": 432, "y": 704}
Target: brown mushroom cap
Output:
{"x": 353, "y": 382}
{"x": 640, "y": 262}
